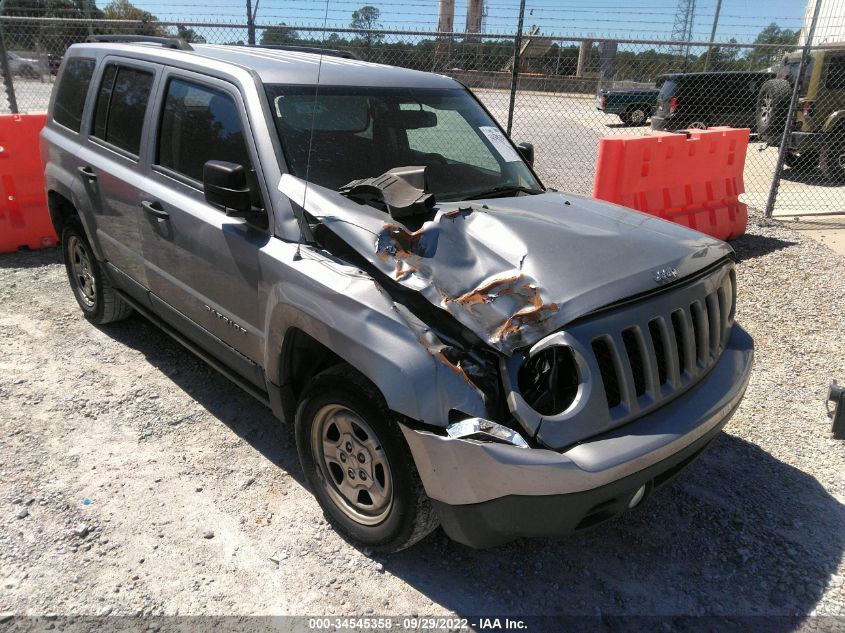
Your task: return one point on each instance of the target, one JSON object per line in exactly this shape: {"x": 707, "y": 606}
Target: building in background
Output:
{"x": 830, "y": 28}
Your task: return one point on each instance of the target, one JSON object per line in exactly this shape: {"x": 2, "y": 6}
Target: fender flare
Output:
{"x": 413, "y": 381}
{"x": 55, "y": 184}
{"x": 833, "y": 121}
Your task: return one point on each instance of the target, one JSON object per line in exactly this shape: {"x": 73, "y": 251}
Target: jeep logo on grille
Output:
{"x": 662, "y": 275}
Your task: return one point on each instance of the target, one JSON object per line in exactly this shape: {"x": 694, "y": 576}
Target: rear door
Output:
{"x": 201, "y": 264}
{"x": 110, "y": 165}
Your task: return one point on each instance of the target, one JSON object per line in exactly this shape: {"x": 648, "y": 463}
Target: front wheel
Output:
{"x": 358, "y": 465}
{"x": 99, "y": 301}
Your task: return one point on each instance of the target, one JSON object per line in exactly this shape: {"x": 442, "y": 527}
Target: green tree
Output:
{"x": 279, "y": 35}
{"x": 53, "y": 37}
{"x": 772, "y": 34}
{"x": 189, "y": 35}
{"x": 367, "y": 19}
{"x": 125, "y": 10}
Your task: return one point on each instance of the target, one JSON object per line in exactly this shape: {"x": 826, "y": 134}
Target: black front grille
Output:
{"x": 601, "y": 349}
{"x": 666, "y": 353}
{"x": 656, "y": 332}
{"x": 635, "y": 358}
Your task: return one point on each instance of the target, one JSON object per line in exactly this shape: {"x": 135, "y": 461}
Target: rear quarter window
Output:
{"x": 668, "y": 89}
{"x": 71, "y": 93}
{"x": 121, "y": 105}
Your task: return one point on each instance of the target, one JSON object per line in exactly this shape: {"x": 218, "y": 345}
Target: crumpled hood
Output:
{"x": 516, "y": 269}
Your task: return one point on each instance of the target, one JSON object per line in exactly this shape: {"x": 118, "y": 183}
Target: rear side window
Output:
{"x": 199, "y": 124}
{"x": 836, "y": 74}
{"x": 70, "y": 96}
{"x": 668, "y": 89}
{"x": 121, "y": 104}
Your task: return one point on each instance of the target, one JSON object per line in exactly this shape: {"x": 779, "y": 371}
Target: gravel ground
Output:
{"x": 135, "y": 480}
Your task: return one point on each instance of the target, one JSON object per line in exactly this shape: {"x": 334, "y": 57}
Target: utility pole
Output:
{"x": 250, "y": 23}
{"x": 517, "y": 46}
{"x": 713, "y": 33}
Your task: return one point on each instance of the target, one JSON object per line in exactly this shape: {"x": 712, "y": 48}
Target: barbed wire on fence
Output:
{"x": 569, "y": 90}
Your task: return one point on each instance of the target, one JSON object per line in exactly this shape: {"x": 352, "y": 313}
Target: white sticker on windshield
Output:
{"x": 501, "y": 143}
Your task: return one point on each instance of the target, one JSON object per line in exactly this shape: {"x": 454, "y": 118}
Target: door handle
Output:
{"x": 87, "y": 173}
{"x": 155, "y": 210}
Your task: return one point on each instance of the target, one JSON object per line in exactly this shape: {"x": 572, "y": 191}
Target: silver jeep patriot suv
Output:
{"x": 362, "y": 248}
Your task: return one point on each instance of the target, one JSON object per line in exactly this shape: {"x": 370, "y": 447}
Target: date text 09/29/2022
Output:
{"x": 416, "y": 624}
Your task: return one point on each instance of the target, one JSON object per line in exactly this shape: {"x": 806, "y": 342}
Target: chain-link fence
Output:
{"x": 562, "y": 94}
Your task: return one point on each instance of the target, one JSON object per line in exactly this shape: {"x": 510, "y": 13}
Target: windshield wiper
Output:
{"x": 502, "y": 191}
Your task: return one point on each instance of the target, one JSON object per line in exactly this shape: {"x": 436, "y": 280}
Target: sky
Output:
{"x": 645, "y": 19}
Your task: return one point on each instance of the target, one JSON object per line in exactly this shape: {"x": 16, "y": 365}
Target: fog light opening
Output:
{"x": 638, "y": 496}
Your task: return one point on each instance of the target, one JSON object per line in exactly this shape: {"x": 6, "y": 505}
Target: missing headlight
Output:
{"x": 548, "y": 381}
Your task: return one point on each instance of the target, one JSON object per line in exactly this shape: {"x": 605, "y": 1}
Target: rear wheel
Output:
{"x": 772, "y": 108}
{"x": 358, "y": 465}
{"x": 832, "y": 156}
{"x": 697, "y": 125}
{"x": 637, "y": 115}
{"x": 93, "y": 292}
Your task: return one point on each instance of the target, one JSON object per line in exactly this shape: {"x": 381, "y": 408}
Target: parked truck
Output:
{"x": 633, "y": 106}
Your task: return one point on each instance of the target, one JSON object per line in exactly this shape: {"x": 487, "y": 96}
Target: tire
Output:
{"x": 341, "y": 412}
{"x": 696, "y": 125}
{"x": 623, "y": 116}
{"x": 832, "y": 156}
{"x": 637, "y": 115}
{"x": 93, "y": 292}
{"x": 772, "y": 108}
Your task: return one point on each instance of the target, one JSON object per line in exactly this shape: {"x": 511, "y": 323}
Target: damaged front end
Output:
{"x": 488, "y": 286}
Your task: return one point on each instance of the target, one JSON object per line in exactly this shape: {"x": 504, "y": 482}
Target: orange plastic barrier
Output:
{"x": 693, "y": 181}
{"x": 24, "y": 218}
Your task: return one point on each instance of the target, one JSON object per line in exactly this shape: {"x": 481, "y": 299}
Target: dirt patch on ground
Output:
{"x": 135, "y": 480}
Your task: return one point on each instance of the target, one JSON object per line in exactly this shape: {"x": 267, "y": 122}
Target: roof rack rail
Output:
{"x": 167, "y": 42}
{"x": 332, "y": 52}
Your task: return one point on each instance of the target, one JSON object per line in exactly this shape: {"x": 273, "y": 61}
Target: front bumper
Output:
{"x": 489, "y": 493}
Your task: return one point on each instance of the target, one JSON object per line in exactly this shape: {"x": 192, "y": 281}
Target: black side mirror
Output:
{"x": 526, "y": 150}
{"x": 225, "y": 185}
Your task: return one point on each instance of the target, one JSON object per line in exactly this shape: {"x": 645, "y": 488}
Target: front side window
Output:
{"x": 198, "y": 124}
{"x": 71, "y": 93}
{"x": 121, "y": 104}
{"x": 345, "y": 133}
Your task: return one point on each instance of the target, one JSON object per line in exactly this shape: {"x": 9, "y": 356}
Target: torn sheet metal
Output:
{"x": 515, "y": 269}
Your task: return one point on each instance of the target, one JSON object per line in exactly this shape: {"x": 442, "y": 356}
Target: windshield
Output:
{"x": 362, "y": 132}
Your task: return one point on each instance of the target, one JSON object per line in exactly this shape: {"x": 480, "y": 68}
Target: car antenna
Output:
{"x": 298, "y": 255}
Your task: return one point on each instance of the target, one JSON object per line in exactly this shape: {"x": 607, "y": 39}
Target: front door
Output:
{"x": 202, "y": 265}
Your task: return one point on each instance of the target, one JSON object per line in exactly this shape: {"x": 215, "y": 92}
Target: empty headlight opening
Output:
{"x": 548, "y": 381}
